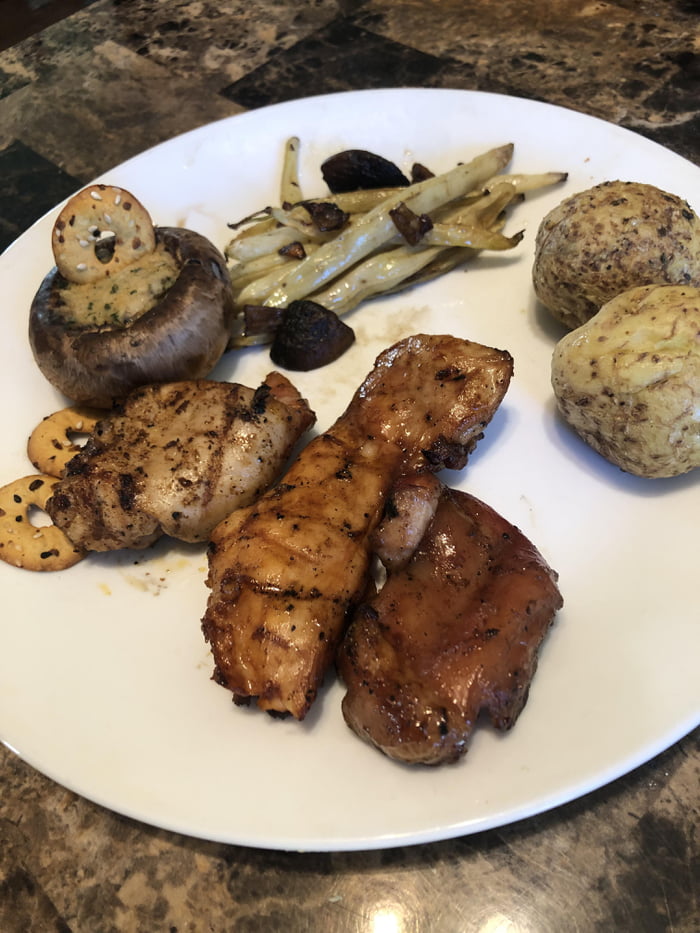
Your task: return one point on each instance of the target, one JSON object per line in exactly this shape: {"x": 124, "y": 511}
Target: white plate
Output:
{"x": 104, "y": 674}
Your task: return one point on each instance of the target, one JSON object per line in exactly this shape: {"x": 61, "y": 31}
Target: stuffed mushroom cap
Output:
{"x": 182, "y": 336}
{"x": 628, "y": 381}
{"x": 608, "y": 239}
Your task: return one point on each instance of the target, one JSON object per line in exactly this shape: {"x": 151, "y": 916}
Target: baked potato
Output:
{"x": 628, "y": 381}
{"x": 609, "y": 238}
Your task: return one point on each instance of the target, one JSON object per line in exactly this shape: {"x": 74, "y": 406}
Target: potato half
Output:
{"x": 628, "y": 381}
{"x": 615, "y": 236}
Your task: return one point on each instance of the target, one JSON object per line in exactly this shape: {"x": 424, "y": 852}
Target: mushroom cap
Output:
{"x": 182, "y": 337}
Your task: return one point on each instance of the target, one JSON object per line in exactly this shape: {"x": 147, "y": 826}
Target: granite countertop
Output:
{"x": 624, "y": 857}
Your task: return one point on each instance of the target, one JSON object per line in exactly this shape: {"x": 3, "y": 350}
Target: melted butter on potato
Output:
{"x": 628, "y": 381}
{"x": 123, "y": 296}
{"x": 609, "y": 238}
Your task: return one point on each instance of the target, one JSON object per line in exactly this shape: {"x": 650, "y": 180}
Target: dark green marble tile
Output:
{"x": 31, "y": 186}
{"x": 338, "y": 57}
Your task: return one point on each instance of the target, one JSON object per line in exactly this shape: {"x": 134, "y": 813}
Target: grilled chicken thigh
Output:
{"x": 176, "y": 458}
{"x": 285, "y": 571}
{"x": 454, "y": 632}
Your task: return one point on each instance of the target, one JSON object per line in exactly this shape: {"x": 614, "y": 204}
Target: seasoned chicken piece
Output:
{"x": 409, "y": 510}
{"x": 284, "y": 572}
{"x": 454, "y": 633}
{"x": 176, "y": 458}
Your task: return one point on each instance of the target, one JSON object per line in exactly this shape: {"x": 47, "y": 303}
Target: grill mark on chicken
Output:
{"x": 294, "y": 564}
{"x": 454, "y": 632}
{"x": 127, "y": 491}
{"x": 175, "y": 459}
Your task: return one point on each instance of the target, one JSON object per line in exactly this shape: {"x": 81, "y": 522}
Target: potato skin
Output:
{"x": 182, "y": 337}
{"x": 628, "y": 381}
{"x": 609, "y": 238}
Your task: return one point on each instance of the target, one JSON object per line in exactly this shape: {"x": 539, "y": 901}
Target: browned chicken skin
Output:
{"x": 285, "y": 571}
{"x": 176, "y": 459}
{"x": 454, "y": 632}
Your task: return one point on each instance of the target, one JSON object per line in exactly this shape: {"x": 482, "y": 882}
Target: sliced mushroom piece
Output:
{"x": 309, "y": 336}
{"x": 356, "y": 168}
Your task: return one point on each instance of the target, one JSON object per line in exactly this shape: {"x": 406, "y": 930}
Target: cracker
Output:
{"x": 24, "y": 544}
{"x": 52, "y": 442}
{"x": 100, "y": 230}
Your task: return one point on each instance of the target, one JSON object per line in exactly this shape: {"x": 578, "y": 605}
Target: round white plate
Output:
{"x": 104, "y": 673}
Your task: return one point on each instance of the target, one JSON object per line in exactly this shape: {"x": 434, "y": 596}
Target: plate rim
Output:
{"x": 435, "y": 833}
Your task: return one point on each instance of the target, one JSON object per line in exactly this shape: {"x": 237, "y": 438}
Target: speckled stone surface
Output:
{"x": 623, "y": 858}
{"x": 68, "y": 95}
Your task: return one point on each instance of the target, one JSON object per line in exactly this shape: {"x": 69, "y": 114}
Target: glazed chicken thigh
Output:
{"x": 176, "y": 458}
{"x": 285, "y": 571}
{"x": 454, "y": 631}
